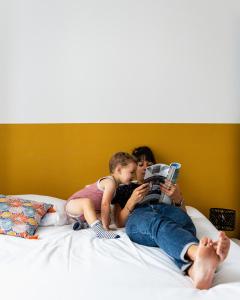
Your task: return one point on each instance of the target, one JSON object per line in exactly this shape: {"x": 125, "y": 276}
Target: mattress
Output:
{"x": 66, "y": 264}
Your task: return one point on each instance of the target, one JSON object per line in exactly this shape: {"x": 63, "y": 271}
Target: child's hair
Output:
{"x": 122, "y": 159}
{"x": 144, "y": 153}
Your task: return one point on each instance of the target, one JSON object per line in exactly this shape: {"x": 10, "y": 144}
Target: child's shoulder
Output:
{"x": 106, "y": 180}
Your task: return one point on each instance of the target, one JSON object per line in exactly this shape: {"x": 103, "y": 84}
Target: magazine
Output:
{"x": 157, "y": 174}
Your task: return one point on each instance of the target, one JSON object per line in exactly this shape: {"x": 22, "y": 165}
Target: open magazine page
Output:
{"x": 173, "y": 173}
{"x": 156, "y": 174}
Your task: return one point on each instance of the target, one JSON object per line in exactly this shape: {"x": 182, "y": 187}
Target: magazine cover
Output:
{"x": 157, "y": 174}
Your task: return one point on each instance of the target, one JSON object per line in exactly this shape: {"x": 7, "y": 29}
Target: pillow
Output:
{"x": 20, "y": 217}
{"x": 57, "y": 218}
{"x": 193, "y": 212}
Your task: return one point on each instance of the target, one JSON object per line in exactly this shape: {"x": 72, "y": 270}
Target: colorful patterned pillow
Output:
{"x": 19, "y": 217}
{"x": 57, "y": 218}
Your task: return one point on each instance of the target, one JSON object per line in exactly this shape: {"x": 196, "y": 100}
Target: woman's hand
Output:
{"x": 137, "y": 195}
{"x": 172, "y": 191}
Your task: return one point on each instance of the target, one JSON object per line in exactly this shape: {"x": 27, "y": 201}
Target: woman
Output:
{"x": 167, "y": 226}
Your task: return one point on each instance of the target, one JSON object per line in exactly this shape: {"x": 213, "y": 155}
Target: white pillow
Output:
{"x": 55, "y": 218}
{"x": 203, "y": 225}
{"x": 194, "y": 213}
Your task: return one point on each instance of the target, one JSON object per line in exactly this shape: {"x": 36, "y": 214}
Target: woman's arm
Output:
{"x": 121, "y": 214}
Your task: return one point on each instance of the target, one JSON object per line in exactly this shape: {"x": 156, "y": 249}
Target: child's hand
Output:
{"x": 106, "y": 228}
{"x": 109, "y": 229}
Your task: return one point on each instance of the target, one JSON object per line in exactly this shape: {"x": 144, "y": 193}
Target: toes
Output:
{"x": 222, "y": 234}
{"x": 204, "y": 241}
{"x": 223, "y": 246}
{"x": 209, "y": 242}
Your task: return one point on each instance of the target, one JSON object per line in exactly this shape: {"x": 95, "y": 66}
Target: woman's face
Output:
{"x": 141, "y": 168}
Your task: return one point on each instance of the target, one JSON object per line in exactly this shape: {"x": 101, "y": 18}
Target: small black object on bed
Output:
{"x": 222, "y": 218}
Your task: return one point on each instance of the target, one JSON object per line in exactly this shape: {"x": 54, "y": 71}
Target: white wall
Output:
{"x": 119, "y": 61}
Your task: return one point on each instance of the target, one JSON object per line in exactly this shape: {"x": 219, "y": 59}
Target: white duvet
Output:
{"x": 66, "y": 264}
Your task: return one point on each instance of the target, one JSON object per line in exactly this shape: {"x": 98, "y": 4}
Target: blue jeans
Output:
{"x": 164, "y": 226}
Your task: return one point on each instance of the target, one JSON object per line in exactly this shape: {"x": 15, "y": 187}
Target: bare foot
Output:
{"x": 222, "y": 246}
{"x": 204, "y": 265}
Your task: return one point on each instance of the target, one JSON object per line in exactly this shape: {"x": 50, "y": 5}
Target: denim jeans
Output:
{"x": 164, "y": 226}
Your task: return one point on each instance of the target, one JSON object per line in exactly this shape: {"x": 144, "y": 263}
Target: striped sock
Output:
{"x": 80, "y": 225}
{"x": 85, "y": 225}
{"x": 101, "y": 233}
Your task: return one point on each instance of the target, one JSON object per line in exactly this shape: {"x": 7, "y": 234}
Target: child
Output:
{"x": 96, "y": 198}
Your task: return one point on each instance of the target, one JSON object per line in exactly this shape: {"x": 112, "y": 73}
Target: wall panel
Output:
{"x": 58, "y": 159}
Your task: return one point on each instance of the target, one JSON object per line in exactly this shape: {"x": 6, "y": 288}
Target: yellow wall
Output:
{"x": 58, "y": 159}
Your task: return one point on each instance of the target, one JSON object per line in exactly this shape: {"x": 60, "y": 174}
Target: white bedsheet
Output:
{"x": 64, "y": 264}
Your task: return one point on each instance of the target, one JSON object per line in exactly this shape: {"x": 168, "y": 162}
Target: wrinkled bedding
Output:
{"x": 66, "y": 264}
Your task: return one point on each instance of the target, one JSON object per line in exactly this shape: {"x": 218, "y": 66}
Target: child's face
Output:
{"x": 127, "y": 173}
{"x": 141, "y": 168}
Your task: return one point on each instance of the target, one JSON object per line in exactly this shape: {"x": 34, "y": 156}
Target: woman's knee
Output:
{"x": 139, "y": 235}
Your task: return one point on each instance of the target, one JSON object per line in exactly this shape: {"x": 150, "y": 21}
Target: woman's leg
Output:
{"x": 150, "y": 226}
{"x": 206, "y": 259}
{"x": 177, "y": 215}
{"x": 222, "y": 246}
{"x": 138, "y": 226}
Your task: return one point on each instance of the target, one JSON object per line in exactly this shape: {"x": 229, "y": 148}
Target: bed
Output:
{"x": 65, "y": 264}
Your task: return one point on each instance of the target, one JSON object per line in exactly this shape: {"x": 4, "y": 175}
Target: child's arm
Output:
{"x": 109, "y": 189}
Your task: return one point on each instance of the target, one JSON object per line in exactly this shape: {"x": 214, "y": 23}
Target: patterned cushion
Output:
{"x": 19, "y": 217}
{"x": 56, "y": 218}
